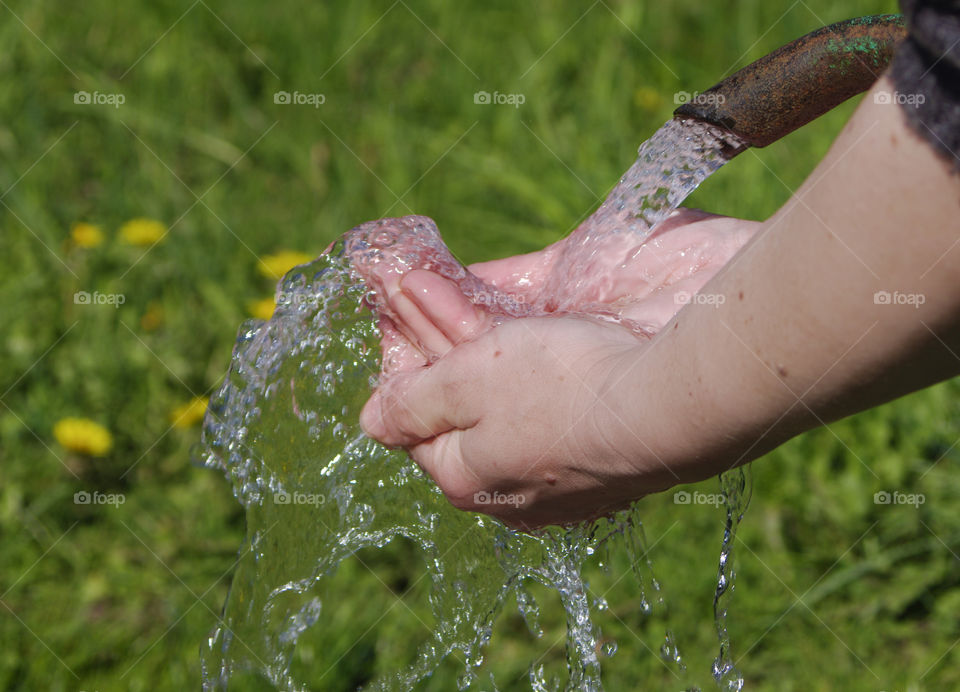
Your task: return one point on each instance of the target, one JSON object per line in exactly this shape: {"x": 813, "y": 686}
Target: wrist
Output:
{"x": 654, "y": 419}
{"x": 692, "y": 412}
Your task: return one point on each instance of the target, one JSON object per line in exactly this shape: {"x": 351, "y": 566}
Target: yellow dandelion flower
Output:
{"x": 142, "y": 231}
{"x": 275, "y": 266}
{"x": 153, "y": 317}
{"x": 84, "y": 436}
{"x": 190, "y": 413}
{"x": 647, "y": 98}
{"x": 86, "y": 235}
{"x": 261, "y": 309}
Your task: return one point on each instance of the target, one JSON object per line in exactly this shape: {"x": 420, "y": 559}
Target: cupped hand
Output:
{"x": 521, "y": 411}
{"x": 645, "y": 282}
{"x": 513, "y": 422}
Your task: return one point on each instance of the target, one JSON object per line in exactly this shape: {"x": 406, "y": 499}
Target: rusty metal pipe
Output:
{"x": 801, "y": 81}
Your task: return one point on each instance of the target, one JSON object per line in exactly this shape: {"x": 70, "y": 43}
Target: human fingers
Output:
{"x": 416, "y": 326}
{"x": 443, "y": 303}
{"x": 414, "y": 406}
{"x": 398, "y": 353}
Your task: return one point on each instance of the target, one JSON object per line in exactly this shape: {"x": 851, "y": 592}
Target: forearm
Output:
{"x": 800, "y": 339}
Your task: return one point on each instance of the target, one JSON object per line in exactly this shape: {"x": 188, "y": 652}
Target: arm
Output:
{"x": 579, "y": 418}
{"x": 800, "y": 339}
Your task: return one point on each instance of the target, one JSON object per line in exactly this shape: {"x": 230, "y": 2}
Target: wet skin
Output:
{"x": 429, "y": 315}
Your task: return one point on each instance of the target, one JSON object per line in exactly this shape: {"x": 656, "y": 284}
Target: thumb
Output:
{"x": 412, "y": 407}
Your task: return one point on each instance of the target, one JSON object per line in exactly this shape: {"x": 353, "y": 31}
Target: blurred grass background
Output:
{"x": 834, "y": 591}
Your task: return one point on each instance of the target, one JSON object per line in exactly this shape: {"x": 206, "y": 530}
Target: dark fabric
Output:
{"x": 927, "y": 65}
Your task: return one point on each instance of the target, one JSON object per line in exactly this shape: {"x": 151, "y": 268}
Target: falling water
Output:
{"x": 284, "y": 429}
{"x": 736, "y": 487}
{"x": 669, "y": 166}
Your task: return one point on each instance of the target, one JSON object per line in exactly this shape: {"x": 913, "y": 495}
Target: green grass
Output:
{"x": 834, "y": 591}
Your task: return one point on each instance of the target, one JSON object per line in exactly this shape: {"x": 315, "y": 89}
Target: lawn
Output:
{"x": 175, "y": 114}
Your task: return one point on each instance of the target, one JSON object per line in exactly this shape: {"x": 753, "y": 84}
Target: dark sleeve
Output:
{"x": 926, "y": 73}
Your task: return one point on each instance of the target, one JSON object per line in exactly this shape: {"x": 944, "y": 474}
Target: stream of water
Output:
{"x": 315, "y": 490}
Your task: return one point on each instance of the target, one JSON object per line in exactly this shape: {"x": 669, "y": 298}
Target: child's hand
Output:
{"x": 520, "y": 411}
{"x": 515, "y": 422}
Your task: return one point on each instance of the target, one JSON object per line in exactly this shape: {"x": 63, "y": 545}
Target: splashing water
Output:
{"x": 284, "y": 428}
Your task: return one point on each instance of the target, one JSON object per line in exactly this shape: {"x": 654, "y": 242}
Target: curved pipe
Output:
{"x": 801, "y": 81}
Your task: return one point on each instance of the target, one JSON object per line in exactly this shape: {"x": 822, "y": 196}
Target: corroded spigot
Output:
{"x": 801, "y": 81}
